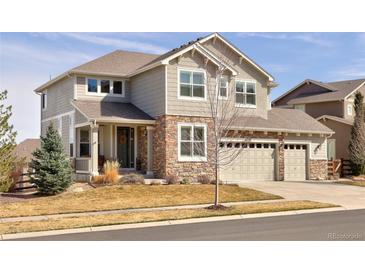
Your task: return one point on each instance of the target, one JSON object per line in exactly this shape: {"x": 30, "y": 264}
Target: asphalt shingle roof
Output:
{"x": 284, "y": 120}
{"x": 111, "y": 111}
{"x": 337, "y": 91}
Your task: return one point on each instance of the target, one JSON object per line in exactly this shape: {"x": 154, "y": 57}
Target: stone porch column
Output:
{"x": 150, "y": 150}
{"x": 94, "y": 149}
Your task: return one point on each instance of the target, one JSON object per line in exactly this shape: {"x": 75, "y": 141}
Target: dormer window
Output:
{"x": 245, "y": 93}
{"x": 92, "y": 85}
{"x": 105, "y": 87}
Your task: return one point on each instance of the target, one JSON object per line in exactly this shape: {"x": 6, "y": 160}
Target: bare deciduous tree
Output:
{"x": 224, "y": 115}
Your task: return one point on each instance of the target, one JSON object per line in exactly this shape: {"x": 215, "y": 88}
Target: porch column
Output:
{"x": 94, "y": 149}
{"x": 150, "y": 150}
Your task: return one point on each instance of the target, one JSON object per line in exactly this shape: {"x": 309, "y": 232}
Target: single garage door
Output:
{"x": 255, "y": 161}
{"x": 295, "y": 160}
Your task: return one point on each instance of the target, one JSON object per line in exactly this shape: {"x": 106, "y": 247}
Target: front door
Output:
{"x": 125, "y": 146}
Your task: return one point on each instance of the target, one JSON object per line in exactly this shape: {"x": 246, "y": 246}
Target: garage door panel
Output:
{"x": 255, "y": 162}
{"x": 295, "y": 162}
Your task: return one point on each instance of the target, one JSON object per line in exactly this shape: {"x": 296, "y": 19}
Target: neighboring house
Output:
{"x": 136, "y": 107}
{"x": 331, "y": 104}
{"x": 25, "y": 149}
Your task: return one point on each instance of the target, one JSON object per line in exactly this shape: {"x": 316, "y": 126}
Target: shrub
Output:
{"x": 172, "y": 179}
{"x": 186, "y": 181}
{"x": 52, "y": 170}
{"x": 111, "y": 172}
{"x": 204, "y": 179}
{"x": 132, "y": 179}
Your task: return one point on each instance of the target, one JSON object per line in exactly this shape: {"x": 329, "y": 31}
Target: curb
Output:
{"x": 166, "y": 223}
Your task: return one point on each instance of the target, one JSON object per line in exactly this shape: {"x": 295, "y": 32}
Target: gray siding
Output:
{"x": 334, "y": 108}
{"x": 79, "y": 118}
{"x": 148, "y": 91}
{"x": 81, "y": 93}
{"x": 201, "y": 108}
{"x": 59, "y": 96}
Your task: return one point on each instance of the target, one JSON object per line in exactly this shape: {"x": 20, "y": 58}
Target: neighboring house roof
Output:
{"x": 112, "y": 111}
{"x": 26, "y": 148}
{"x": 336, "y": 91}
{"x": 335, "y": 118}
{"x": 126, "y": 64}
{"x": 283, "y": 120}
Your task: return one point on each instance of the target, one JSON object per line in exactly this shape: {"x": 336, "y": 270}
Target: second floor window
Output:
{"x": 92, "y": 85}
{"x": 223, "y": 87}
{"x": 192, "y": 84}
{"x": 245, "y": 93}
{"x": 104, "y": 86}
{"x": 44, "y": 100}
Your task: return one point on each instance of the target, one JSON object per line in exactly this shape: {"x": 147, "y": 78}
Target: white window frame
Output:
{"x": 44, "y": 100}
{"x": 350, "y": 110}
{"x": 245, "y": 81}
{"x": 192, "y": 158}
{"x": 219, "y": 88}
{"x": 80, "y": 143}
{"x": 192, "y": 98}
{"x": 111, "y": 87}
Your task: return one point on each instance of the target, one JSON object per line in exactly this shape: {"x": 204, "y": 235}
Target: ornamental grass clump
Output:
{"x": 111, "y": 174}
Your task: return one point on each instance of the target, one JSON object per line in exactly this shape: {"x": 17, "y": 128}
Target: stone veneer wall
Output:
{"x": 318, "y": 169}
{"x": 165, "y": 150}
{"x": 142, "y": 148}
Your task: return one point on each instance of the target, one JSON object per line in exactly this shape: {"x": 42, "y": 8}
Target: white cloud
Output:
{"x": 355, "y": 70}
{"x": 117, "y": 43}
{"x": 45, "y": 56}
{"x": 311, "y": 38}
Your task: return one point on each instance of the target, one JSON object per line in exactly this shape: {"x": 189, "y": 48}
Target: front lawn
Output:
{"x": 130, "y": 196}
{"x": 149, "y": 216}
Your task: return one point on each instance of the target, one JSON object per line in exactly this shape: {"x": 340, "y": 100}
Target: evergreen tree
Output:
{"x": 7, "y": 144}
{"x": 357, "y": 141}
{"x": 51, "y": 165}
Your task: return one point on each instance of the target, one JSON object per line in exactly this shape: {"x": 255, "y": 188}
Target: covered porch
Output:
{"x": 126, "y": 138}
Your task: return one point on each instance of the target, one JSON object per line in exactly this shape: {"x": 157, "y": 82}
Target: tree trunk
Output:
{"x": 216, "y": 198}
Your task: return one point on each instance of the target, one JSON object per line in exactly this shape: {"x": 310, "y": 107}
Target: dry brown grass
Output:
{"x": 148, "y": 216}
{"x": 130, "y": 196}
{"x": 352, "y": 183}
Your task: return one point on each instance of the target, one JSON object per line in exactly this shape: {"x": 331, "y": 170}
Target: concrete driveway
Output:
{"x": 350, "y": 197}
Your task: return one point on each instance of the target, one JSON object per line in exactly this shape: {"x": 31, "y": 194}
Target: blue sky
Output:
{"x": 29, "y": 59}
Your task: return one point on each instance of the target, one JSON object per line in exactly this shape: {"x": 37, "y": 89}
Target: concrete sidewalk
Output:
{"x": 121, "y": 211}
{"x": 164, "y": 223}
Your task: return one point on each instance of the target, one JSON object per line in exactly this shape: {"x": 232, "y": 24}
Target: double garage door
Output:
{"x": 258, "y": 161}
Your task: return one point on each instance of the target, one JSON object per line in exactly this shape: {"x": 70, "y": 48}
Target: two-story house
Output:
{"x": 331, "y": 104}
{"x": 151, "y": 112}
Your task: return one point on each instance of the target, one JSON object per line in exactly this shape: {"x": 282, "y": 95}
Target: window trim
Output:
{"x": 191, "y": 98}
{"x": 44, "y": 100}
{"x": 191, "y": 158}
{"x": 111, "y": 87}
{"x": 80, "y": 143}
{"x": 219, "y": 88}
{"x": 245, "y": 93}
